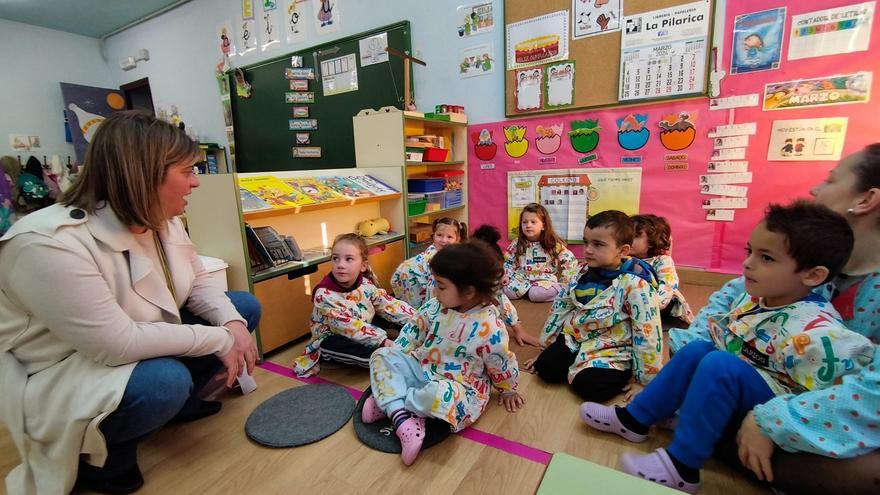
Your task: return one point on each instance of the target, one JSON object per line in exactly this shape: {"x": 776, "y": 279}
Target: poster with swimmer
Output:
{"x": 86, "y": 107}
{"x": 757, "y": 41}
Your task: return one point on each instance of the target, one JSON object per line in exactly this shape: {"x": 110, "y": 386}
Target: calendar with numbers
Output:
{"x": 663, "y": 52}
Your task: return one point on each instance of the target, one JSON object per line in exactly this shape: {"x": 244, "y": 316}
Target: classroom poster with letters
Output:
{"x": 294, "y": 22}
{"x": 807, "y": 139}
{"x": 831, "y": 31}
{"x": 569, "y": 195}
{"x": 663, "y": 52}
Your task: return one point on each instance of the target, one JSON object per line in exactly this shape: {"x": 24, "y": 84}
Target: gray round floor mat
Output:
{"x": 380, "y": 435}
{"x": 300, "y": 415}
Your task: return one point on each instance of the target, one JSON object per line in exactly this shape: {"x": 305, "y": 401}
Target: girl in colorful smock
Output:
{"x": 345, "y": 303}
{"x": 780, "y": 338}
{"x": 537, "y": 262}
{"x": 652, "y": 243}
{"x": 412, "y": 281}
{"x": 444, "y": 364}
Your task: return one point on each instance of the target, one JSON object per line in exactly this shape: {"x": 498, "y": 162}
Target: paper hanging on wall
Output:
{"x": 560, "y": 84}
{"x": 516, "y": 144}
{"x": 593, "y": 17}
{"x": 731, "y": 142}
{"x": 663, "y": 52}
{"x": 299, "y": 85}
{"x": 270, "y": 32}
{"x": 632, "y": 131}
{"x": 226, "y": 46}
{"x": 746, "y": 128}
{"x": 549, "y": 138}
{"x": 757, "y": 41}
{"x": 303, "y": 138}
{"x": 720, "y": 215}
{"x": 537, "y": 40}
{"x": 734, "y": 178}
{"x": 726, "y": 203}
{"x": 528, "y": 94}
{"x": 570, "y": 194}
{"x": 302, "y": 124}
{"x": 326, "y": 16}
{"x": 372, "y": 49}
{"x": 307, "y": 152}
{"x": 476, "y": 61}
{"x": 677, "y": 131}
{"x": 738, "y": 101}
{"x": 339, "y": 75}
{"x": 484, "y": 147}
{"x": 305, "y": 73}
{"x": 724, "y": 190}
{"x": 475, "y": 19}
{"x": 807, "y": 139}
{"x": 19, "y": 142}
{"x": 831, "y": 90}
{"x": 831, "y": 31}
{"x": 300, "y": 112}
{"x": 293, "y": 23}
{"x": 584, "y": 135}
{"x": 246, "y": 37}
{"x": 729, "y": 154}
{"x": 728, "y": 167}
{"x": 299, "y": 97}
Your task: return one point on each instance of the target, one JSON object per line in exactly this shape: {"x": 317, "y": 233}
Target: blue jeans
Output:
{"x": 157, "y": 391}
{"x": 709, "y": 388}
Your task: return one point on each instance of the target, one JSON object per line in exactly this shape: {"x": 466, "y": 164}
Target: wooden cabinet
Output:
{"x": 380, "y": 141}
{"x": 216, "y": 226}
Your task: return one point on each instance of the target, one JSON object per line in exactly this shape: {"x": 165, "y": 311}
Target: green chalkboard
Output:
{"x": 263, "y": 141}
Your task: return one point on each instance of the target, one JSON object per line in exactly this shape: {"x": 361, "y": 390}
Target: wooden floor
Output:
{"x": 214, "y": 456}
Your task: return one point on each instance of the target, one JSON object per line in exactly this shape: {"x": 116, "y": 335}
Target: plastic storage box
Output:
{"x": 435, "y": 155}
{"x": 427, "y": 185}
{"x": 434, "y": 201}
{"x": 452, "y": 198}
{"x": 415, "y": 204}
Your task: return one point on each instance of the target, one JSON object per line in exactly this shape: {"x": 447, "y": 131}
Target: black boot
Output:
{"x": 127, "y": 482}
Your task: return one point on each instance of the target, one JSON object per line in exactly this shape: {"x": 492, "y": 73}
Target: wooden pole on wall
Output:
{"x": 407, "y": 98}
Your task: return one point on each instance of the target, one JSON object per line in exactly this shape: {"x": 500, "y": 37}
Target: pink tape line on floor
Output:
{"x": 472, "y": 434}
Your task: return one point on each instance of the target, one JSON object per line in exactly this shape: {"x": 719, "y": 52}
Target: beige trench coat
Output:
{"x": 80, "y": 304}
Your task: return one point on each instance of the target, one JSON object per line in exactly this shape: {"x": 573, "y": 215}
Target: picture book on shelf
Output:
{"x": 372, "y": 184}
{"x": 250, "y": 202}
{"x": 313, "y": 189}
{"x": 274, "y": 192}
{"x": 346, "y": 187}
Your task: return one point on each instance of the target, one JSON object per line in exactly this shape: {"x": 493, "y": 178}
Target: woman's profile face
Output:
{"x": 838, "y": 191}
{"x": 180, "y": 179}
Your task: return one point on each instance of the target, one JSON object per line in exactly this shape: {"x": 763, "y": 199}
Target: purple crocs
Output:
{"x": 603, "y": 418}
{"x": 656, "y": 467}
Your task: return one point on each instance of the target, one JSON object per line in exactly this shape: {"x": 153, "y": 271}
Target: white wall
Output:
{"x": 184, "y": 52}
{"x": 33, "y": 61}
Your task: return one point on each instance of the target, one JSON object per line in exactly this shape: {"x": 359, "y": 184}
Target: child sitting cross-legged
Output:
{"x": 444, "y": 364}
{"x": 652, "y": 243}
{"x": 604, "y": 328}
{"x": 779, "y": 338}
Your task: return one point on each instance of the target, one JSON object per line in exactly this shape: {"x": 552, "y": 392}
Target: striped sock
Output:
{"x": 399, "y": 416}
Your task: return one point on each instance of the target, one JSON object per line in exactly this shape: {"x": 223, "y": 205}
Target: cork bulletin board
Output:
{"x": 596, "y": 58}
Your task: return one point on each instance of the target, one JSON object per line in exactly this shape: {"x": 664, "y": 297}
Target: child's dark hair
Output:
{"x": 548, "y": 238}
{"x": 360, "y": 243}
{"x": 618, "y": 221}
{"x": 460, "y": 227}
{"x": 657, "y": 230}
{"x": 814, "y": 234}
{"x": 469, "y": 264}
{"x": 490, "y": 235}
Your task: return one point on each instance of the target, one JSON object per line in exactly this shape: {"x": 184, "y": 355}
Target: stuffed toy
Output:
{"x": 369, "y": 228}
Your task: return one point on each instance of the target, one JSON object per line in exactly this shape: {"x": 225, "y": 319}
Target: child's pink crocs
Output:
{"x": 603, "y": 418}
{"x": 411, "y": 434}
{"x": 371, "y": 411}
{"x": 656, "y": 467}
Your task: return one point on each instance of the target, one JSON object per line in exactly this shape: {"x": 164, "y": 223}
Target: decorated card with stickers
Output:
{"x": 560, "y": 84}
{"x": 529, "y": 85}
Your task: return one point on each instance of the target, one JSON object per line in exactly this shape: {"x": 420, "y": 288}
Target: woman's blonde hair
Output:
{"x": 360, "y": 243}
{"x": 126, "y": 163}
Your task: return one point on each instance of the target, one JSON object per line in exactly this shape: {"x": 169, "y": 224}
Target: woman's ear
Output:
{"x": 869, "y": 203}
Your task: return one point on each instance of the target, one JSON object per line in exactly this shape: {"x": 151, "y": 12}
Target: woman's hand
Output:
{"x": 755, "y": 449}
{"x": 243, "y": 354}
{"x": 512, "y": 402}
